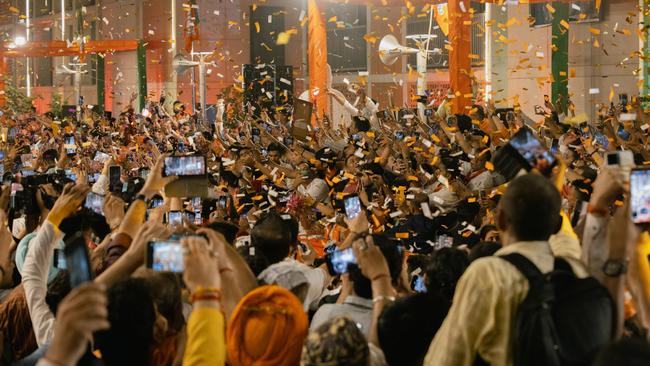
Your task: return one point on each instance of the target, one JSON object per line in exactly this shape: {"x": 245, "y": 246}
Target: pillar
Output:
{"x": 142, "y": 75}
{"x": 460, "y": 36}
{"x": 101, "y": 93}
{"x": 560, "y": 55}
{"x": 496, "y": 54}
{"x": 644, "y": 47}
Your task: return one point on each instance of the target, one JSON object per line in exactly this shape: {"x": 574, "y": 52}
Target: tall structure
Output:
{"x": 520, "y": 57}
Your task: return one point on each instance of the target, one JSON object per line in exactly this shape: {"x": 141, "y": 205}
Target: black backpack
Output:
{"x": 564, "y": 320}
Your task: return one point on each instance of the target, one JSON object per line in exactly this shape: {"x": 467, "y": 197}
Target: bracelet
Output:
{"x": 381, "y": 275}
{"x": 379, "y": 298}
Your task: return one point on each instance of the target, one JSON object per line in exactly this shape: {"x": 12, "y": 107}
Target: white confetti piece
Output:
{"x": 594, "y": 90}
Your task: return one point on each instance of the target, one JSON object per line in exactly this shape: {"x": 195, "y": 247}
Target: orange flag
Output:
{"x": 317, "y": 52}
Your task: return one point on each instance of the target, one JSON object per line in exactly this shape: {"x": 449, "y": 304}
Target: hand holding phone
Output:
{"x": 339, "y": 260}
{"x": 77, "y": 261}
{"x": 352, "y": 206}
{"x": 165, "y": 256}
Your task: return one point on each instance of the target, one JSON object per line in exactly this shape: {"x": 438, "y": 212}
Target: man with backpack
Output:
{"x": 525, "y": 305}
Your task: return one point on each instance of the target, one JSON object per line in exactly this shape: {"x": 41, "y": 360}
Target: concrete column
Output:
{"x": 560, "y": 54}
{"x": 496, "y": 54}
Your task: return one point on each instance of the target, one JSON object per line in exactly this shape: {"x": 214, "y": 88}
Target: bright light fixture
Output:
{"x": 20, "y": 41}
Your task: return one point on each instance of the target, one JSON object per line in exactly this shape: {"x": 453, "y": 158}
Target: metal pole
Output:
{"x": 77, "y": 88}
{"x": 202, "y": 89}
{"x": 28, "y": 77}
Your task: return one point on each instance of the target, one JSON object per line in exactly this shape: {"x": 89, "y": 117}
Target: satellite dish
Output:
{"x": 181, "y": 64}
{"x": 390, "y": 50}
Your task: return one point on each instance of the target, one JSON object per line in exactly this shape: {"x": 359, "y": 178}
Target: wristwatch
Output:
{"x": 615, "y": 267}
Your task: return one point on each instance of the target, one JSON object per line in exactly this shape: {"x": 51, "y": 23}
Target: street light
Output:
{"x": 20, "y": 41}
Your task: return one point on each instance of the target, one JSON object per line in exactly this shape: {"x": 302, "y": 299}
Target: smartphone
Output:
{"x": 165, "y": 256}
{"x": 189, "y": 215}
{"x": 114, "y": 174}
{"x": 77, "y": 261}
{"x": 156, "y": 202}
{"x": 11, "y": 136}
{"x": 640, "y": 195}
{"x": 555, "y": 146}
{"x": 352, "y": 206}
{"x": 175, "y": 218}
{"x": 70, "y": 175}
{"x": 539, "y": 110}
{"x": 356, "y": 137}
{"x": 339, "y": 260}
{"x": 69, "y": 144}
{"x": 222, "y": 202}
{"x": 59, "y": 259}
{"x": 619, "y": 158}
{"x": 529, "y": 147}
{"x": 255, "y": 135}
{"x": 399, "y": 135}
{"x": 95, "y": 203}
{"x": 184, "y": 166}
{"x": 418, "y": 284}
{"x": 428, "y": 112}
{"x": 26, "y": 173}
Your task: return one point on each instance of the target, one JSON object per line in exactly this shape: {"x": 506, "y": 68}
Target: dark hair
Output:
{"x": 132, "y": 316}
{"x": 483, "y": 249}
{"x": 407, "y": 326}
{"x": 228, "y": 230}
{"x": 531, "y": 206}
{"x": 257, "y": 262}
{"x": 165, "y": 288}
{"x": 272, "y": 236}
{"x": 274, "y": 146}
{"x": 486, "y": 229}
{"x": 625, "y": 351}
{"x": 85, "y": 220}
{"x": 444, "y": 270}
{"x": 393, "y": 254}
{"x": 361, "y": 124}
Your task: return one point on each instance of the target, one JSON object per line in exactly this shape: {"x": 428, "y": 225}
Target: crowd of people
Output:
{"x": 406, "y": 237}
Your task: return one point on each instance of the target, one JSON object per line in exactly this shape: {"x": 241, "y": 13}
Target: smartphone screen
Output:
{"x": 255, "y": 134}
{"x": 175, "y": 218}
{"x": 165, "y": 256}
{"x": 95, "y": 203}
{"x": 184, "y": 165}
{"x": 26, "y": 173}
{"x": 114, "y": 173}
{"x": 59, "y": 259}
{"x": 189, "y": 215}
{"x": 222, "y": 202}
{"x": 399, "y": 135}
{"x": 76, "y": 257}
{"x": 70, "y": 147}
{"x": 339, "y": 260}
{"x": 532, "y": 151}
{"x": 70, "y": 175}
{"x": 352, "y": 206}
{"x": 156, "y": 202}
{"x": 418, "y": 284}
{"x": 640, "y": 195}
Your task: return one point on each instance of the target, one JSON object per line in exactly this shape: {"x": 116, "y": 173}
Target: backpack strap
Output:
{"x": 561, "y": 264}
{"x": 524, "y": 265}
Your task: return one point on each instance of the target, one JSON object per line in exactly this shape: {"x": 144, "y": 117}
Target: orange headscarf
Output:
{"x": 268, "y": 327}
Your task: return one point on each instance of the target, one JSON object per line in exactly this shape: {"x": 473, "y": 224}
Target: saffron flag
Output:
{"x": 317, "y": 52}
{"x": 442, "y": 18}
{"x": 191, "y": 31}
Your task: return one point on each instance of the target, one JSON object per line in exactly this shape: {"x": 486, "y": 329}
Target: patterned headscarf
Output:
{"x": 336, "y": 342}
